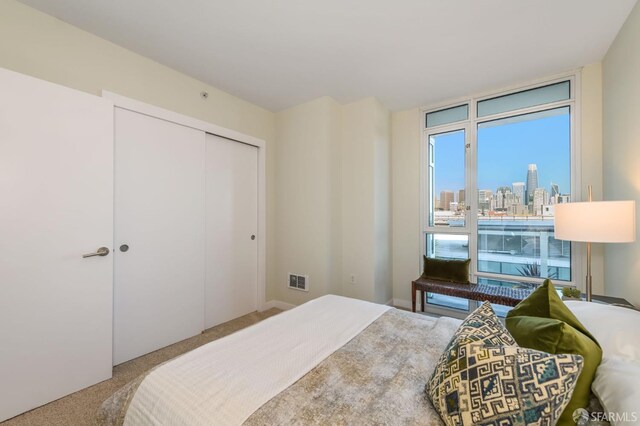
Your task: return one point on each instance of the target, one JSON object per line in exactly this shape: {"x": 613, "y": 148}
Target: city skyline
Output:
{"x": 516, "y": 187}
{"x": 523, "y": 193}
{"x": 505, "y": 151}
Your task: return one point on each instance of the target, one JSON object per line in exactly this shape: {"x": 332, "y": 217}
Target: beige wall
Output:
{"x": 365, "y": 188}
{"x": 308, "y": 209}
{"x": 621, "y": 146}
{"x": 357, "y": 189}
{"x": 37, "y": 44}
{"x": 591, "y": 159}
{"x": 383, "y": 292}
{"x": 405, "y": 202}
{"x": 405, "y": 157}
{"x": 333, "y": 194}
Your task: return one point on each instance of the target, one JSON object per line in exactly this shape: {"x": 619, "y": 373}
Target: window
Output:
{"x": 524, "y": 170}
{"x": 447, "y": 179}
{"x": 494, "y": 169}
{"x": 525, "y": 98}
{"x": 447, "y": 115}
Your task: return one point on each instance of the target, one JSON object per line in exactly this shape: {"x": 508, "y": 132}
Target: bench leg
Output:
{"x": 422, "y": 300}
{"x": 413, "y": 297}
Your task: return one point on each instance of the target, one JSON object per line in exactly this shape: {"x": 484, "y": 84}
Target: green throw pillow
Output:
{"x": 483, "y": 378}
{"x": 543, "y": 322}
{"x": 544, "y": 302}
{"x": 446, "y": 269}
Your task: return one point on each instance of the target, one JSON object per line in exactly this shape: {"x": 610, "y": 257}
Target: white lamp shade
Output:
{"x": 596, "y": 221}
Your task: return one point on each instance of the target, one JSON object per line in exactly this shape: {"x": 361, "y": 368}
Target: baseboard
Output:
{"x": 400, "y": 303}
{"x": 277, "y": 304}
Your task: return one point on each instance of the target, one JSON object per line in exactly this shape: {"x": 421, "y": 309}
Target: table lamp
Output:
{"x": 595, "y": 222}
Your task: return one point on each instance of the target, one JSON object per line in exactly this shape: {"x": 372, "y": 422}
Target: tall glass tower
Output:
{"x": 532, "y": 182}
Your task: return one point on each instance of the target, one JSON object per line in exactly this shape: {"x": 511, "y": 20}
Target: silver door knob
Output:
{"x": 102, "y": 251}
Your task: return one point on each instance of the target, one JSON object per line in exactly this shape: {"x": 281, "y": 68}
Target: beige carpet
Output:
{"x": 79, "y": 408}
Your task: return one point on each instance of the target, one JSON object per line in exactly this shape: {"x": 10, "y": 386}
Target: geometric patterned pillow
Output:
{"x": 482, "y": 326}
{"x": 503, "y": 385}
{"x": 483, "y": 377}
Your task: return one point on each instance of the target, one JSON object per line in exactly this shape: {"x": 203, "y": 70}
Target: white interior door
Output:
{"x": 56, "y": 204}
{"x": 159, "y": 214}
{"x": 232, "y": 225}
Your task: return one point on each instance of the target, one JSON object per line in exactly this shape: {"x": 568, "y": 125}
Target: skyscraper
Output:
{"x": 502, "y": 198}
{"x": 555, "y": 193}
{"x": 485, "y": 196}
{"x": 532, "y": 182}
{"x": 519, "y": 192}
{"x": 540, "y": 198}
{"x": 461, "y": 196}
{"x": 446, "y": 198}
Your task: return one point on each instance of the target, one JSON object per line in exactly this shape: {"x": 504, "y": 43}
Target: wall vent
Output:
{"x": 299, "y": 282}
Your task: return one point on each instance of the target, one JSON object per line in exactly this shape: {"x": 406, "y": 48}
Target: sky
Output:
{"x": 505, "y": 151}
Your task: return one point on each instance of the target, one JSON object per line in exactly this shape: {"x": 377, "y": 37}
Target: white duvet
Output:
{"x": 227, "y": 380}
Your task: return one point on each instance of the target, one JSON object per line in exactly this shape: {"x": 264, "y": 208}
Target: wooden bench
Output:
{"x": 501, "y": 295}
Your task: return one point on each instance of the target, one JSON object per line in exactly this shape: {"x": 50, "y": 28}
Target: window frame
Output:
{"x": 470, "y": 127}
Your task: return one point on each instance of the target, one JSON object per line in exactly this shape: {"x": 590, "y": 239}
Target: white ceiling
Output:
{"x": 279, "y": 53}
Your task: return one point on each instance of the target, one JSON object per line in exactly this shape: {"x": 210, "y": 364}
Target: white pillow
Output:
{"x": 617, "y": 381}
{"x": 617, "y": 387}
{"x": 617, "y": 329}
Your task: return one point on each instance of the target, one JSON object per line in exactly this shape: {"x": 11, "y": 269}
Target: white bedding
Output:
{"x": 617, "y": 329}
{"x": 616, "y": 384}
{"x": 225, "y": 381}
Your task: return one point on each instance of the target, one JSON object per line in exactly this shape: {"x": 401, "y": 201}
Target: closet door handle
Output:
{"x": 102, "y": 251}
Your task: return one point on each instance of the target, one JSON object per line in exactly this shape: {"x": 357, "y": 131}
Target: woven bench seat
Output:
{"x": 501, "y": 295}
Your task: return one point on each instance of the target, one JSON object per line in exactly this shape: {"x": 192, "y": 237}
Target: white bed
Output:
{"x": 331, "y": 360}
{"x": 336, "y": 360}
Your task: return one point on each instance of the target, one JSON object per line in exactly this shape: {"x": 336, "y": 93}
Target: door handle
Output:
{"x": 102, "y": 251}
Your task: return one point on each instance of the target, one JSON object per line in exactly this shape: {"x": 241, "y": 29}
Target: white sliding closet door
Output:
{"x": 232, "y": 225}
{"x": 56, "y": 205}
{"x": 160, "y": 234}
